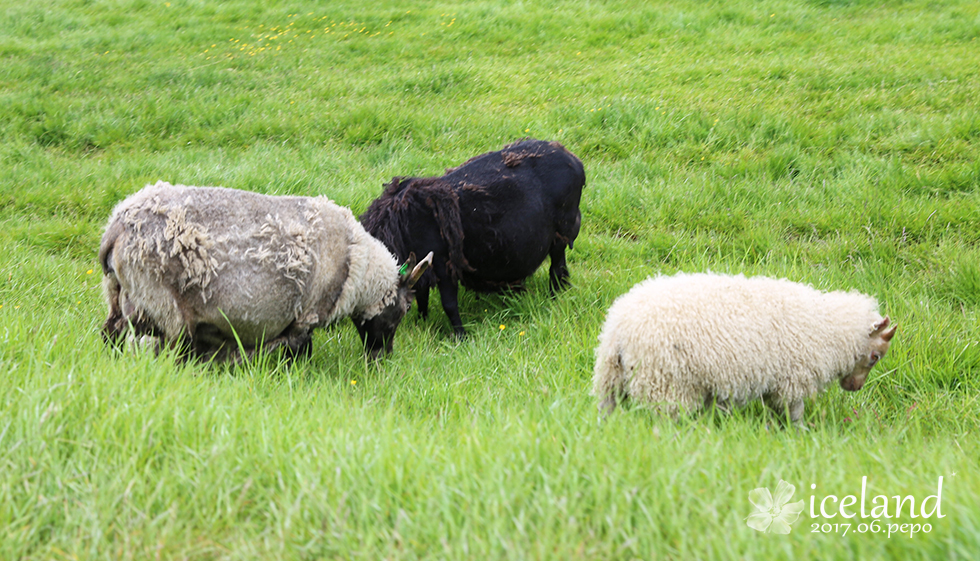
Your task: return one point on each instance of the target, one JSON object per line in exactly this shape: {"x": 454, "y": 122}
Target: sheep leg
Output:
{"x": 782, "y": 409}
{"x": 422, "y": 300}
{"x": 449, "y": 295}
{"x": 182, "y": 346}
{"x": 558, "y": 274}
{"x": 722, "y": 406}
{"x": 607, "y": 406}
{"x": 796, "y": 413}
{"x": 612, "y": 400}
{"x": 305, "y": 349}
{"x": 124, "y": 317}
{"x": 296, "y": 342}
{"x": 117, "y": 324}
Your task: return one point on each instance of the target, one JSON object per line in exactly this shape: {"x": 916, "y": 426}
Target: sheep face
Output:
{"x": 378, "y": 332}
{"x": 878, "y": 342}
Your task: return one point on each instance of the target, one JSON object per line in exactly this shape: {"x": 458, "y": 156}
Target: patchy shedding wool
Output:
{"x": 215, "y": 267}
{"x": 685, "y": 341}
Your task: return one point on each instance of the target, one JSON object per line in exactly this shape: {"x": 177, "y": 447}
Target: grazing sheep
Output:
{"x": 207, "y": 268}
{"x": 489, "y": 222}
{"x": 684, "y": 341}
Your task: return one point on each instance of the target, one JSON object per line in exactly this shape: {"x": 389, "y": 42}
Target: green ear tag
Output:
{"x": 403, "y": 269}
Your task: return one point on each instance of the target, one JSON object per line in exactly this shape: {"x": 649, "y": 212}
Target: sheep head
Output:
{"x": 378, "y": 332}
{"x": 878, "y": 342}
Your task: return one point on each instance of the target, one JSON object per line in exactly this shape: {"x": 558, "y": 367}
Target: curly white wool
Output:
{"x": 683, "y": 341}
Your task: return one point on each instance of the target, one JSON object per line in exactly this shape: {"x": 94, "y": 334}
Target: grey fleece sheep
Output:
{"x": 207, "y": 268}
{"x": 684, "y": 341}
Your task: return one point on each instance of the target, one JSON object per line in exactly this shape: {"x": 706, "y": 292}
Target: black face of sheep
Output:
{"x": 490, "y": 222}
{"x": 378, "y": 332}
{"x": 880, "y": 340}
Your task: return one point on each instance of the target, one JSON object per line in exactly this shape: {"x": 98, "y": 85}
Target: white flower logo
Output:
{"x": 773, "y": 515}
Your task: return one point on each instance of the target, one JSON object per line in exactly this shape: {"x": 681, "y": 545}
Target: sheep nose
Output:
{"x": 851, "y": 383}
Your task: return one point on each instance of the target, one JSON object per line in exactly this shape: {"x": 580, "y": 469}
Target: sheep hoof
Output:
{"x": 606, "y": 407}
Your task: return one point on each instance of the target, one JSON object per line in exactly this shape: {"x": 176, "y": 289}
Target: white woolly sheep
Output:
{"x": 207, "y": 269}
{"x": 685, "y": 341}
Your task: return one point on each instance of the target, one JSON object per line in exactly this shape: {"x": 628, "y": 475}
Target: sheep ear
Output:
{"x": 879, "y": 327}
{"x": 887, "y": 336}
{"x": 418, "y": 270}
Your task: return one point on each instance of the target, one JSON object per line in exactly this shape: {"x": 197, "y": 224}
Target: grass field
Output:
{"x": 832, "y": 142}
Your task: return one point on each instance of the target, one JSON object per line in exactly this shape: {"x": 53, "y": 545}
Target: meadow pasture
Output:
{"x": 832, "y": 142}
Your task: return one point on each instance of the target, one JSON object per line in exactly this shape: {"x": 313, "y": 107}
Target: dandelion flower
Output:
{"x": 503, "y": 327}
{"x": 353, "y": 382}
{"x": 88, "y": 272}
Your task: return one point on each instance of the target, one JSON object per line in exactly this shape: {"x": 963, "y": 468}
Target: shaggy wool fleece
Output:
{"x": 682, "y": 341}
{"x": 250, "y": 264}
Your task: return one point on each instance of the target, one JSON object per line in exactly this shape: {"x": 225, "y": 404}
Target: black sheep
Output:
{"x": 489, "y": 222}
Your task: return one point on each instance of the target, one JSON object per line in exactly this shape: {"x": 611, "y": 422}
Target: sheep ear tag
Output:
{"x": 403, "y": 269}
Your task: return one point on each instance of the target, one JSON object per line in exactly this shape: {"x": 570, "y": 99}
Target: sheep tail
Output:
{"x": 610, "y": 378}
{"x": 109, "y": 239}
{"x": 114, "y": 324}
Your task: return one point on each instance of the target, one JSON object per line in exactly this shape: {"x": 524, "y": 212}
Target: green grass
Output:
{"x": 831, "y": 142}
